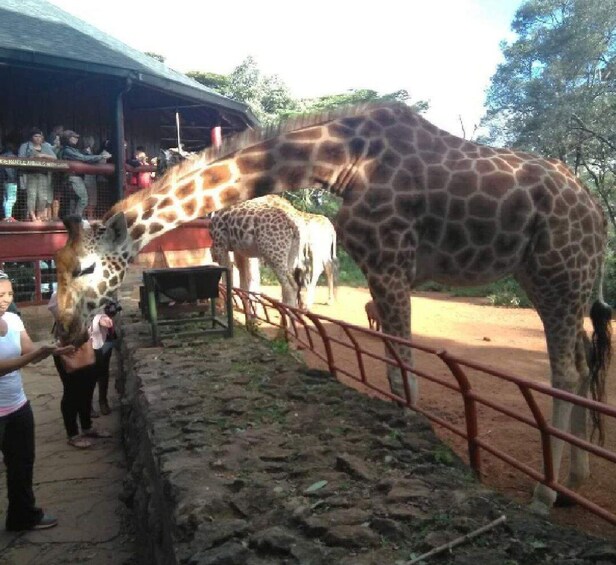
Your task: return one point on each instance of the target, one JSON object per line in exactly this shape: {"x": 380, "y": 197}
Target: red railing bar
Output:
{"x": 454, "y": 363}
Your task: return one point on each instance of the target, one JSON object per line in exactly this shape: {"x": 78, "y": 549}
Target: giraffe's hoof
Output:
{"x": 564, "y": 501}
{"x": 539, "y": 508}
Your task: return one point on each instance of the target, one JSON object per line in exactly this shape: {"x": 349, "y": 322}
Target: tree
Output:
{"x": 218, "y": 83}
{"x": 555, "y": 92}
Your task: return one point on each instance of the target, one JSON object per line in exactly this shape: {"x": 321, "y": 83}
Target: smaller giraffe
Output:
{"x": 256, "y": 229}
{"x": 304, "y": 251}
{"x": 321, "y": 240}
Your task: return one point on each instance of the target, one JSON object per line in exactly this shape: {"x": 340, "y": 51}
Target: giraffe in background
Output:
{"x": 417, "y": 204}
{"x": 272, "y": 229}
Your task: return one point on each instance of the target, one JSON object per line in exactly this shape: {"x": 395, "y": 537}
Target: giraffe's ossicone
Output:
{"x": 417, "y": 204}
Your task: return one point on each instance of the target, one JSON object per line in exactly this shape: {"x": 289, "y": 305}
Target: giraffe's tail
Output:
{"x": 599, "y": 359}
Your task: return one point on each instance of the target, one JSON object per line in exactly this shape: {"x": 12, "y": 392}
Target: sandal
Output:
{"x": 79, "y": 442}
{"x": 93, "y": 432}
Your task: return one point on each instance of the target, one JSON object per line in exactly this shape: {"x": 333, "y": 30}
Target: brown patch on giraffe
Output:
{"x": 255, "y": 163}
{"x": 383, "y": 117}
{"x": 114, "y": 281}
{"x": 295, "y": 151}
{"x": 496, "y": 184}
{"x": 102, "y": 287}
{"x": 370, "y": 129}
{"x": 331, "y": 152}
{"x": 391, "y": 159}
{"x": 452, "y": 157}
{"x": 377, "y": 172}
{"x": 454, "y": 239}
{"x": 168, "y": 216}
{"x": 462, "y": 184}
{"x": 438, "y": 178}
{"x": 403, "y": 181}
{"x": 481, "y": 207}
{"x": 190, "y": 207}
{"x": 375, "y": 148}
{"x": 338, "y": 130}
{"x": 185, "y": 190}
{"x": 148, "y": 214}
{"x": 155, "y": 228}
{"x": 457, "y": 209}
{"x": 484, "y": 166}
{"x": 481, "y": 232}
{"x": 292, "y": 176}
{"x": 515, "y": 211}
{"x": 412, "y": 205}
{"x": 165, "y": 203}
{"x": 216, "y": 175}
{"x": 137, "y": 232}
{"x": 437, "y": 203}
{"x": 209, "y": 204}
{"x": 229, "y": 196}
{"x": 506, "y": 244}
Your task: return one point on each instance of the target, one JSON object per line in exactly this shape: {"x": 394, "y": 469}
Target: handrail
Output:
{"x": 290, "y": 320}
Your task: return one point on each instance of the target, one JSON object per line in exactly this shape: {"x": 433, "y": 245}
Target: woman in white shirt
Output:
{"x": 16, "y": 418}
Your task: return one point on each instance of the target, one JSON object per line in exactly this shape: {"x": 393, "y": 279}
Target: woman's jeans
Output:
{"x": 10, "y": 197}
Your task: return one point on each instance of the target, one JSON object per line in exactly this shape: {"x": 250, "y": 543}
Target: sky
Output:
{"x": 442, "y": 51}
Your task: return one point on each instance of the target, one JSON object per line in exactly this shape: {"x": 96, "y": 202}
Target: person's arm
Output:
{"x": 9, "y": 365}
{"x": 47, "y": 151}
{"x": 23, "y": 150}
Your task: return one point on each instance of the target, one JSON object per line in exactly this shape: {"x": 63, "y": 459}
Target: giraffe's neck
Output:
{"x": 335, "y": 154}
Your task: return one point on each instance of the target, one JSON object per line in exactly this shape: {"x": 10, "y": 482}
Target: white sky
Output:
{"x": 443, "y": 51}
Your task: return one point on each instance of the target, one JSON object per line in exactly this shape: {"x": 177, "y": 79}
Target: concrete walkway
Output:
{"x": 80, "y": 487}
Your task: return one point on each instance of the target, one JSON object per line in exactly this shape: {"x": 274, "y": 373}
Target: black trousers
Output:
{"x": 17, "y": 443}
{"x": 77, "y": 397}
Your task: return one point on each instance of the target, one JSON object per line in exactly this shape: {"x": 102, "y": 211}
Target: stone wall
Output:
{"x": 239, "y": 454}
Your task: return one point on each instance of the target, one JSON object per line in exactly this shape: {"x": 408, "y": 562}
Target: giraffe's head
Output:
{"x": 90, "y": 267}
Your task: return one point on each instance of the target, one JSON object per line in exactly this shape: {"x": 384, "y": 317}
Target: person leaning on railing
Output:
{"x": 70, "y": 152}
{"x": 38, "y": 187}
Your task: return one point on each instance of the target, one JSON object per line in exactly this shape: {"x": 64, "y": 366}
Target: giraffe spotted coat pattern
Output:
{"x": 417, "y": 204}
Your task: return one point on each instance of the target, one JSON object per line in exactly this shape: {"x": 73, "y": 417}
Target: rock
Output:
{"x": 274, "y": 540}
{"x": 218, "y": 532}
{"x": 354, "y": 467}
{"x": 231, "y": 553}
{"x": 351, "y": 537}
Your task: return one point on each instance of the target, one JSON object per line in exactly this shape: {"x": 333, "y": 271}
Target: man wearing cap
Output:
{"x": 39, "y": 192}
{"x": 70, "y": 152}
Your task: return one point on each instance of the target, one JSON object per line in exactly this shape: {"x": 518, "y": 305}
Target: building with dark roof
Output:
{"x": 58, "y": 70}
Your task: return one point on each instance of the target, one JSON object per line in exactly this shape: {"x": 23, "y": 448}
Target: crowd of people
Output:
{"x": 80, "y": 370}
{"x": 48, "y": 194}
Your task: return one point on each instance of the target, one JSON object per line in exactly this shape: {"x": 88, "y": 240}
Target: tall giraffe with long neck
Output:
{"x": 417, "y": 204}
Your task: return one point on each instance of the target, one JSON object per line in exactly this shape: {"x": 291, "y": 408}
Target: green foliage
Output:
{"x": 219, "y": 83}
{"x": 555, "y": 93}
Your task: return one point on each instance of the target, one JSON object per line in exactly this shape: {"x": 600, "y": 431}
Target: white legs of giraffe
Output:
{"x": 248, "y": 271}
{"x": 567, "y": 344}
{"x": 322, "y": 257}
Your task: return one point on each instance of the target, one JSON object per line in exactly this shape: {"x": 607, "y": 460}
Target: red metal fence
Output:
{"x": 319, "y": 334}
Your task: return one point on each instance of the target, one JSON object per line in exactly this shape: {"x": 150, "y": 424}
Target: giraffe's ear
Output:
{"x": 116, "y": 229}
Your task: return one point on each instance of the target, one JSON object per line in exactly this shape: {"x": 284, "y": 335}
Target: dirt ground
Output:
{"x": 509, "y": 340}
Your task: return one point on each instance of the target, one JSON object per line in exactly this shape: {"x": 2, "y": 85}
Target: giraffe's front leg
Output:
{"x": 394, "y": 307}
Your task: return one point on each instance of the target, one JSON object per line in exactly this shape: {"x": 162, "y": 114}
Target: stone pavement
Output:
{"x": 80, "y": 487}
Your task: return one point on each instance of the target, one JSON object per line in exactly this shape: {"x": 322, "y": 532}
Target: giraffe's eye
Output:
{"x": 79, "y": 272}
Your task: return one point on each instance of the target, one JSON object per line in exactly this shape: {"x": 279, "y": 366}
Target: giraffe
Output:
{"x": 321, "y": 247}
{"x": 417, "y": 204}
{"x": 256, "y": 228}
{"x": 272, "y": 229}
